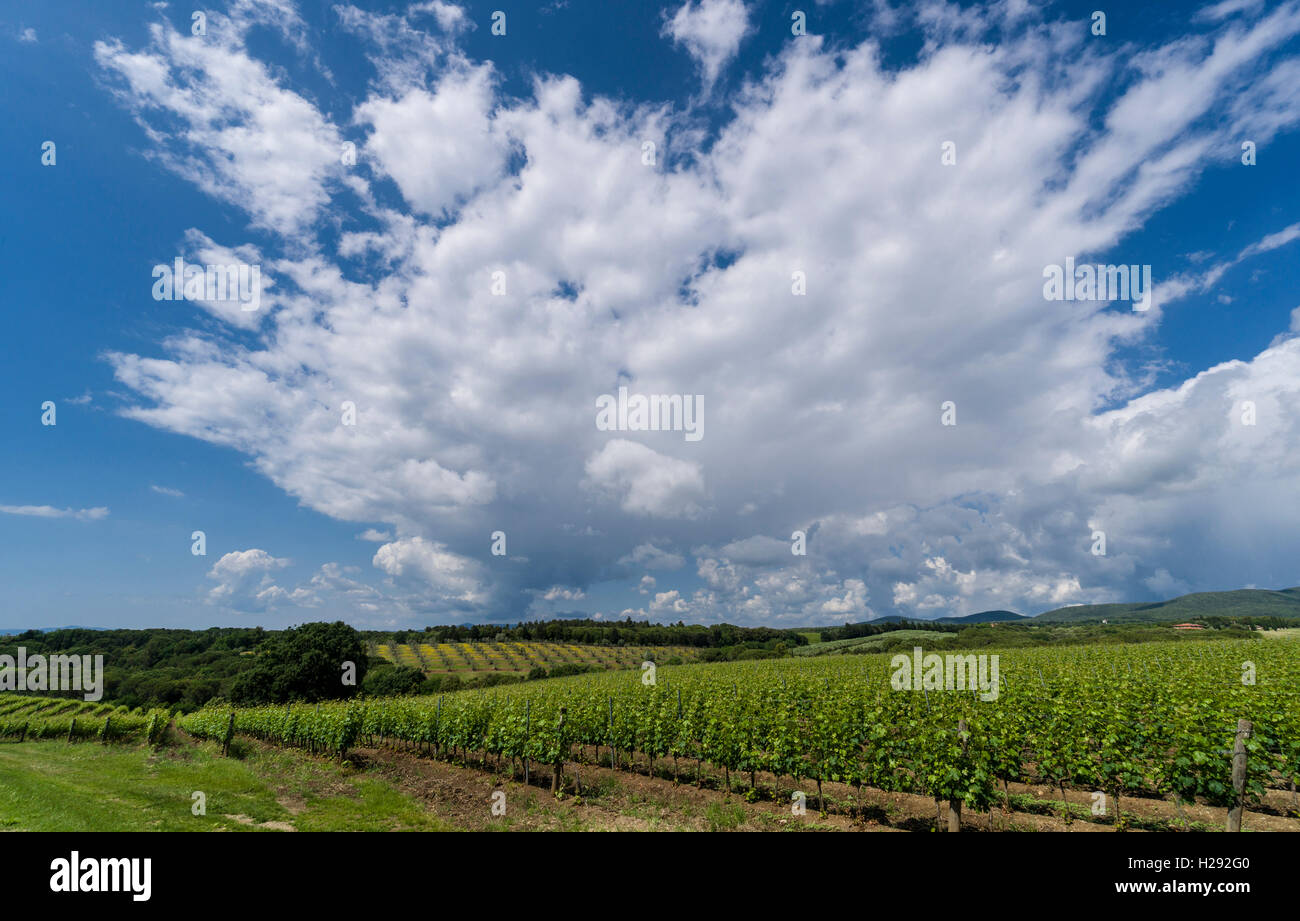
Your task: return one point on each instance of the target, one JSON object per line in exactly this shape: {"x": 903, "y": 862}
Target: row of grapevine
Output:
{"x": 25, "y": 718}
{"x": 520, "y": 656}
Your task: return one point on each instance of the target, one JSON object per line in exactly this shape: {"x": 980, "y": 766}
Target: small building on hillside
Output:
{"x": 1189, "y": 626}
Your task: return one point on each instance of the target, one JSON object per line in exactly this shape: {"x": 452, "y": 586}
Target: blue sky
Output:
{"x": 523, "y": 153}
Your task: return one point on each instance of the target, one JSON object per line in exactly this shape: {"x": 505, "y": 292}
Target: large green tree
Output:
{"x": 303, "y": 663}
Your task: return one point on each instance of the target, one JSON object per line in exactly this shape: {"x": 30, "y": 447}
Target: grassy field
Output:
{"x": 512, "y": 658}
{"x": 54, "y": 786}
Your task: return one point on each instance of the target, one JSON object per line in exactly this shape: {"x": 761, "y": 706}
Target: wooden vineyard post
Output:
{"x": 559, "y": 764}
{"x": 528, "y": 722}
{"x": 230, "y": 734}
{"x": 613, "y": 755}
{"x": 72, "y": 728}
{"x": 1238, "y": 775}
{"x": 954, "y": 805}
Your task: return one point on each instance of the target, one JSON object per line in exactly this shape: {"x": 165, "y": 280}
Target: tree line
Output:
{"x": 586, "y": 631}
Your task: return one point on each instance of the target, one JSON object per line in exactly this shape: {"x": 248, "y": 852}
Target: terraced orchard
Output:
{"x": 1155, "y": 720}
{"x": 519, "y": 658}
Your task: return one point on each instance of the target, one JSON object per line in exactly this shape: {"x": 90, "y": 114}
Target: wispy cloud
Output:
{"x": 1180, "y": 286}
{"x": 49, "y": 511}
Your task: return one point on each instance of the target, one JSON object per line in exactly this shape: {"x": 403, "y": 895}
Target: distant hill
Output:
{"x": 983, "y": 617}
{"x": 14, "y": 631}
{"x": 1245, "y": 602}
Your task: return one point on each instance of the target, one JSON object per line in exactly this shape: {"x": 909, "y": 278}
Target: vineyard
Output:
{"x": 1156, "y": 720}
{"x": 519, "y": 658}
{"x": 31, "y": 718}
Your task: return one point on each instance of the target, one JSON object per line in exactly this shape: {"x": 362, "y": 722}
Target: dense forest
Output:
{"x": 180, "y": 669}
{"x": 184, "y": 669}
{"x": 854, "y": 631}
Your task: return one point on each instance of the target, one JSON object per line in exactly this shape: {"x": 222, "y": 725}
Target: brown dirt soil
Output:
{"x": 249, "y": 820}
